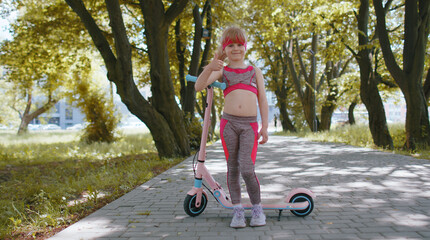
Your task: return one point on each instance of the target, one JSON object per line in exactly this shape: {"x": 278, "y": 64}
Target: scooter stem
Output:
{"x": 206, "y": 124}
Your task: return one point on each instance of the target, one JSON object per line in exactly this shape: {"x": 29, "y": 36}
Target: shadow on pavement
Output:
{"x": 361, "y": 194}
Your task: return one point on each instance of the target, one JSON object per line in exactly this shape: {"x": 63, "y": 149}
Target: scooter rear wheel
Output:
{"x": 190, "y": 205}
{"x": 302, "y": 197}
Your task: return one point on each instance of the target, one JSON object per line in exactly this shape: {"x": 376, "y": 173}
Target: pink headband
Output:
{"x": 228, "y": 41}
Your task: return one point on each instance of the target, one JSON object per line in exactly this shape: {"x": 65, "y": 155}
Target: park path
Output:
{"x": 361, "y": 194}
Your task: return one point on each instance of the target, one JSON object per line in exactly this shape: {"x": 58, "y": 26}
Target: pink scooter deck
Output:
{"x": 267, "y": 204}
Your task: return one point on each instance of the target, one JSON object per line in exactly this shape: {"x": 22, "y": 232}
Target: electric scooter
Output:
{"x": 299, "y": 200}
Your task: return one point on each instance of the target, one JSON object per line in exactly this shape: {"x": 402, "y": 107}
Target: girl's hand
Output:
{"x": 263, "y": 133}
{"x": 216, "y": 64}
{"x": 222, "y": 56}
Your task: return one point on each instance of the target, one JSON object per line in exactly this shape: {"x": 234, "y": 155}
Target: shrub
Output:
{"x": 99, "y": 113}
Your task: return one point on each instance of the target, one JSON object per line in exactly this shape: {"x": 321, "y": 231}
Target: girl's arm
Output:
{"x": 211, "y": 73}
{"x": 264, "y": 107}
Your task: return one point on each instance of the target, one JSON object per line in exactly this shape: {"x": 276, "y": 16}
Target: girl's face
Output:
{"x": 235, "y": 52}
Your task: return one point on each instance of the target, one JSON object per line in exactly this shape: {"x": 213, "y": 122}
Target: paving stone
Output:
{"x": 361, "y": 194}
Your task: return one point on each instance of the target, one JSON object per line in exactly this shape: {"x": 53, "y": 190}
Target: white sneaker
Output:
{"x": 258, "y": 218}
{"x": 238, "y": 220}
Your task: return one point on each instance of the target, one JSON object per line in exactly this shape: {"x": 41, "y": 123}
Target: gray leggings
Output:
{"x": 239, "y": 140}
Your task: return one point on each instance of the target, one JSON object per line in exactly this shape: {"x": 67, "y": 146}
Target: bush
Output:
{"x": 194, "y": 131}
{"x": 99, "y": 113}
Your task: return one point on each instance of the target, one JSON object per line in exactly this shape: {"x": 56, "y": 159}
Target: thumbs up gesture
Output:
{"x": 216, "y": 64}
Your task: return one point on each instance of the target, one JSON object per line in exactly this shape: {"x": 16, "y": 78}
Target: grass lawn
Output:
{"x": 359, "y": 135}
{"x": 49, "y": 180}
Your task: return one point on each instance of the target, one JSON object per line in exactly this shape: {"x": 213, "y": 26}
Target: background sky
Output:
{"x": 4, "y": 25}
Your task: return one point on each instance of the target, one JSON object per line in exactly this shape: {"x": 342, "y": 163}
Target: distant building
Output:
{"x": 395, "y": 110}
{"x": 64, "y": 115}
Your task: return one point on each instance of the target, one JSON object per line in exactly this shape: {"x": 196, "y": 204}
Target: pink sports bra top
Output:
{"x": 239, "y": 79}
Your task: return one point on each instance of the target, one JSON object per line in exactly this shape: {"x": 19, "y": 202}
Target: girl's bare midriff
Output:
{"x": 241, "y": 103}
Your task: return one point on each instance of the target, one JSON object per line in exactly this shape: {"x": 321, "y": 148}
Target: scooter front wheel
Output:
{"x": 302, "y": 197}
{"x": 190, "y": 205}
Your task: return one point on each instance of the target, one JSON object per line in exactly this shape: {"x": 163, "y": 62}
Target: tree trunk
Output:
{"x": 287, "y": 124}
{"x": 417, "y": 118}
{"x": 190, "y": 96}
{"x": 409, "y": 78}
{"x": 208, "y": 43}
{"x": 281, "y": 93}
{"x": 27, "y": 117}
{"x": 351, "y": 118}
{"x": 180, "y": 54}
{"x": 213, "y": 122}
{"x": 369, "y": 92}
{"x": 372, "y": 100}
{"x": 333, "y": 93}
{"x": 282, "y": 98}
{"x": 203, "y": 62}
{"x": 326, "y": 114}
{"x": 427, "y": 86}
{"x": 157, "y": 24}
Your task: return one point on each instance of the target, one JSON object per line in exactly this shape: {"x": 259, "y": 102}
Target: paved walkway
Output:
{"x": 361, "y": 194}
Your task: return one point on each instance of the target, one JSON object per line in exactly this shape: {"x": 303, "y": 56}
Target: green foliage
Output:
{"x": 100, "y": 114}
{"x": 398, "y": 133}
{"x": 36, "y": 57}
{"x": 194, "y": 130}
{"x": 357, "y": 135}
{"x": 53, "y": 179}
{"x": 8, "y": 117}
{"x": 99, "y": 111}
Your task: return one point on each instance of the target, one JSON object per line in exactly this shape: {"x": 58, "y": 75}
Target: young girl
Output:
{"x": 239, "y": 126}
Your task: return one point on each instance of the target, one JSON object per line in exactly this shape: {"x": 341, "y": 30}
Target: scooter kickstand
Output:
{"x": 279, "y": 216}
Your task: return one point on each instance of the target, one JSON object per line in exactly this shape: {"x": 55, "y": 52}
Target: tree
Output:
{"x": 369, "y": 77}
{"x": 307, "y": 96}
{"x": 295, "y": 31}
{"x": 367, "y": 59}
{"x": 409, "y": 79}
{"x": 333, "y": 71}
{"x": 337, "y": 81}
{"x": 279, "y": 75}
{"x": 336, "y": 66}
{"x": 35, "y": 61}
{"x": 161, "y": 114}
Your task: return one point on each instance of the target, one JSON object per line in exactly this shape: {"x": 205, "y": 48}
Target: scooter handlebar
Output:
{"x": 214, "y": 84}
